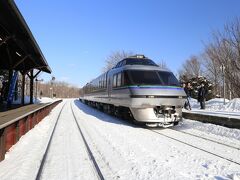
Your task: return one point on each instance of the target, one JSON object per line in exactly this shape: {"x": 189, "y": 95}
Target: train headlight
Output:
{"x": 140, "y": 56}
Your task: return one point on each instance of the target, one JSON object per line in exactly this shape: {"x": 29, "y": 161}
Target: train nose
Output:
{"x": 164, "y": 110}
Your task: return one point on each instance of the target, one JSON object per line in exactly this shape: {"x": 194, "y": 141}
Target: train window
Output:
{"x": 120, "y": 64}
{"x": 125, "y": 79}
{"x": 115, "y": 80}
{"x": 117, "y": 65}
{"x": 122, "y": 78}
{"x": 144, "y": 78}
{"x": 104, "y": 82}
{"x": 140, "y": 61}
{"x": 101, "y": 83}
{"x": 119, "y": 80}
{"x": 168, "y": 78}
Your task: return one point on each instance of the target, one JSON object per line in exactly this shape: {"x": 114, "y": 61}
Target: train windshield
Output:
{"x": 168, "y": 78}
{"x": 140, "y": 77}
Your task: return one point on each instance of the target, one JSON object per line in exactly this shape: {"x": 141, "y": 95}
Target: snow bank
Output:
{"x": 217, "y": 104}
{"x": 46, "y": 100}
{"x": 35, "y": 101}
{"x": 233, "y": 105}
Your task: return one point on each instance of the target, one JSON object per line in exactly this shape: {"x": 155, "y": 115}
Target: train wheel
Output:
{"x": 116, "y": 111}
{"x": 175, "y": 123}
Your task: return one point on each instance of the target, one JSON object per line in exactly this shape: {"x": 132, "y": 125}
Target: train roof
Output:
{"x": 136, "y": 60}
{"x": 147, "y": 68}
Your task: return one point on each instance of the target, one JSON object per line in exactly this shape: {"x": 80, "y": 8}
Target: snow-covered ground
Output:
{"x": 216, "y": 107}
{"x": 122, "y": 150}
{"x": 217, "y": 104}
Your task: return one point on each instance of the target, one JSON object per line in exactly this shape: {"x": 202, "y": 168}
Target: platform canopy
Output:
{"x": 18, "y": 48}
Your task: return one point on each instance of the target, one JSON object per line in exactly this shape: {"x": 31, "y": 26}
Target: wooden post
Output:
{"x": 31, "y": 86}
{"x": 23, "y": 88}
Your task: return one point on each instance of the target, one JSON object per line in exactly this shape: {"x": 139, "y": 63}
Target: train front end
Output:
{"x": 156, "y": 97}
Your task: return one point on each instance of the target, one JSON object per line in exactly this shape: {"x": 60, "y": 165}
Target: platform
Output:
{"x": 9, "y": 115}
{"x": 17, "y": 122}
{"x": 227, "y": 119}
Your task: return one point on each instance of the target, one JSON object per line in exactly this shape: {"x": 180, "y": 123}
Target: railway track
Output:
{"x": 92, "y": 160}
{"x": 198, "y": 144}
{"x": 192, "y": 145}
{"x": 208, "y": 139}
{"x": 48, "y": 146}
{"x": 90, "y": 154}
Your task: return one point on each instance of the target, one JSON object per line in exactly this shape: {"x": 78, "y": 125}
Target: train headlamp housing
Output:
{"x": 140, "y": 56}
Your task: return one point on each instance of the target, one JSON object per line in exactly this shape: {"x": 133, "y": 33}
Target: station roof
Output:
{"x": 18, "y": 48}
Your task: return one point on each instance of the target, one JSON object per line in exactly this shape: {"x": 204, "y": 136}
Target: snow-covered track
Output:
{"x": 93, "y": 163}
{"x": 222, "y": 151}
{"x": 208, "y": 139}
{"x": 48, "y": 146}
{"x": 90, "y": 154}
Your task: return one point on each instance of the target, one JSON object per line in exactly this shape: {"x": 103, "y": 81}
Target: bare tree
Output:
{"x": 163, "y": 65}
{"x": 224, "y": 51}
{"x": 212, "y": 70}
{"x": 191, "y": 68}
{"x": 114, "y": 58}
{"x": 220, "y": 61}
{"x": 59, "y": 89}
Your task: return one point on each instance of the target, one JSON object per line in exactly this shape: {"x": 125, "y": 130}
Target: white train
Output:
{"x": 139, "y": 89}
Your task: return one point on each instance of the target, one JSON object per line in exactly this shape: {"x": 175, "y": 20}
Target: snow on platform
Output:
{"x": 216, "y": 107}
{"x": 35, "y": 100}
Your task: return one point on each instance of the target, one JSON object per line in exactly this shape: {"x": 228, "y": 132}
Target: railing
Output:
{"x": 13, "y": 130}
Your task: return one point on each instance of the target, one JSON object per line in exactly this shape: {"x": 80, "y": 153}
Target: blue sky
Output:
{"x": 76, "y": 36}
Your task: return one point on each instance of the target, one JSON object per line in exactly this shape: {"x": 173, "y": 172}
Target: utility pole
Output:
{"x": 222, "y": 67}
{"x": 52, "y": 85}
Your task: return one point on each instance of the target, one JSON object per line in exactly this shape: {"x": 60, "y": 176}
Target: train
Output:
{"x": 137, "y": 89}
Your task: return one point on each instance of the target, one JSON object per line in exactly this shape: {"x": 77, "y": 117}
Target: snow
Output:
{"x": 216, "y": 107}
{"x": 210, "y": 129}
{"x": 217, "y": 104}
{"x": 36, "y": 101}
{"x": 233, "y": 105}
{"x": 46, "y": 100}
{"x": 24, "y": 157}
{"x": 122, "y": 150}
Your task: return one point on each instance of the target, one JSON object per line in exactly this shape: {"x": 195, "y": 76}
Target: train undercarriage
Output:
{"x": 159, "y": 116}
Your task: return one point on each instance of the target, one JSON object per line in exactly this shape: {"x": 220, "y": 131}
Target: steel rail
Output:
{"x": 228, "y": 159}
{"x": 206, "y": 139}
{"x": 90, "y": 154}
{"x": 38, "y": 176}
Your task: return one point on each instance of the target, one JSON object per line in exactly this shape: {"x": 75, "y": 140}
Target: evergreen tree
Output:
{"x": 196, "y": 82}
